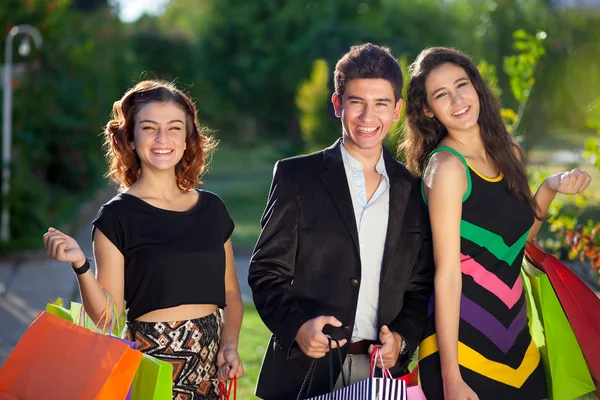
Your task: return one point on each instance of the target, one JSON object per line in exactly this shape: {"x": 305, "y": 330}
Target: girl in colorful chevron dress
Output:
{"x": 476, "y": 343}
{"x": 162, "y": 247}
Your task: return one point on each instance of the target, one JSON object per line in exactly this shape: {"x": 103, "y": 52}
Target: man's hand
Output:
{"x": 391, "y": 343}
{"x": 311, "y": 339}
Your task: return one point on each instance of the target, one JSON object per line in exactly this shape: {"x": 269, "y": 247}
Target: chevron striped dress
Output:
{"x": 497, "y": 356}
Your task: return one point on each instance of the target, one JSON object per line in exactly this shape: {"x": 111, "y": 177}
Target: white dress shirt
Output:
{"x": 371, "y": 222}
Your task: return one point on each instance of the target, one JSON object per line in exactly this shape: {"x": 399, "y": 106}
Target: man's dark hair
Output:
{"x": 368, "y": 61}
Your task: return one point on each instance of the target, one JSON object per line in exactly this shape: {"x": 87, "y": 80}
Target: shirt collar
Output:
{"x": 354, "y": 163}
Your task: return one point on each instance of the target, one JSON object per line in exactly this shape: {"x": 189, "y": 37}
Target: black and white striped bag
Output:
{"x": 385, "y": 388}
{"x": 369, "y": 389}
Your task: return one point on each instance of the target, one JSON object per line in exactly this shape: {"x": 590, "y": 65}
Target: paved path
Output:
{"x": 37, "y": 280}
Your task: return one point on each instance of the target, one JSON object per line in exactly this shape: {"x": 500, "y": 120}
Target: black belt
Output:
{"x": 360, "y": 347}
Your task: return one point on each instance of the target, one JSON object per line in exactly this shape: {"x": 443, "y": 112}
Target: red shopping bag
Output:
{"x": 56, "y": 359}
{"x": 580, "y": 303}
{"x": 413, "y": 390}
{"x": 412, "y": 378}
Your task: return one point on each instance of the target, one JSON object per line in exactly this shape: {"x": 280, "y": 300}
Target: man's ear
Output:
{"x": 337, "y": 105}
{"x": 397, "y": 109}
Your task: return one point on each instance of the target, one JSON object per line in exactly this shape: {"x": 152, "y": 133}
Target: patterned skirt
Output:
{"x": 190, "y": 346}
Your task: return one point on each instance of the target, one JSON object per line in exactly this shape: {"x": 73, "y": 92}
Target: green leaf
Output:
{"x": 521, "y": 34}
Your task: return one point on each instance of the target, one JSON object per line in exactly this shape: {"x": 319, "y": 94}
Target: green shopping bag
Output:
{"x": 153, "y": 380}
{"x": 59, "y": 311}
{"x": 567, "y": 374}
{"x": 76, "y": 315}
{"x": 76, "y": 312}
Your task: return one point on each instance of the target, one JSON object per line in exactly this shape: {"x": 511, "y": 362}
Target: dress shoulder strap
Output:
{"x": 465, "y": 163}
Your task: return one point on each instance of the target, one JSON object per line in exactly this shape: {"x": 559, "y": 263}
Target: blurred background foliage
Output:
{"x": 261, "y": 75}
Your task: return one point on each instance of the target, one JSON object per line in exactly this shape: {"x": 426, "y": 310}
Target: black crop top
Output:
{"x": 171, "y": 258}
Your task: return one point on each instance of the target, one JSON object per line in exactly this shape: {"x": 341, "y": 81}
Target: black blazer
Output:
{"x": 306, "y": 263}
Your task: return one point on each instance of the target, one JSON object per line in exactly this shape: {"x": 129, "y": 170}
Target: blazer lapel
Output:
{"x": 400, "y": 189}
{"x": 334, "y": 177}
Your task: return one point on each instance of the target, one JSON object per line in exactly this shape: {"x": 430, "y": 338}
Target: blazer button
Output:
{"x": 354, "y": 283}
{"x": 346, "y": 328}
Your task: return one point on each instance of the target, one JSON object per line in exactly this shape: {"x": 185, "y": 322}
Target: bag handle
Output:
{"x": 376, "y": 354}
{"x": 226, "y": 389}
{"x": 82, "y": 316}
{"x": 411, "y": 379}
{"x": 341, "y": 362}
{"x": 308, "y": 379}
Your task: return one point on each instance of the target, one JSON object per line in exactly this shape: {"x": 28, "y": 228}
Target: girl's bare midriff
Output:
{"x": 179, "y": 313}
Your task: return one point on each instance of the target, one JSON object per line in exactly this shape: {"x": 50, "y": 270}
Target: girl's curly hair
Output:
{"x": 124, "y": 163}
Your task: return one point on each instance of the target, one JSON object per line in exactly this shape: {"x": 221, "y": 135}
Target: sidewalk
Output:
{"x": 39, "y": 280}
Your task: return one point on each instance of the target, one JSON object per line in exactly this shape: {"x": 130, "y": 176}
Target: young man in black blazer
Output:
{"x": 345, "y": 249}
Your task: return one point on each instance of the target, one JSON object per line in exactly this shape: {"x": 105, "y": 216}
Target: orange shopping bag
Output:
{"x": 56, "y": 359}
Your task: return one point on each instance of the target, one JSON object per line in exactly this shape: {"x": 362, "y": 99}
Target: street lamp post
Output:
{"x": 7, "y": 115}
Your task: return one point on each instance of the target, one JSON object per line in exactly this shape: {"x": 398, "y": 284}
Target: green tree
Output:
{"x": 520, "y": 69}
{"x": 185, "y": 19}
{"x": 319, "y": 128}
{"x": 162, "y": 55}
{"x": 89, "y": 5}
{"x": 565, "y": 76}
{"x": 255, "y": 54}
{"x": 60, "y": 104}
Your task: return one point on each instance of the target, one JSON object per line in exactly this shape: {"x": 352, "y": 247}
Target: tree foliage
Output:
{"x": 61, "y": 103}
{"x": 319, "y": 128}
{"x": 250, "y": 66}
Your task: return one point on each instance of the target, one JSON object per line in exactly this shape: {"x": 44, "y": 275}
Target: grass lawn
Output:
{"x": 236, "y": 160}
{"x": 242, "y": 176}
{"x": 254, "y": 338}
{"x": 246, "y": 210}
{"x": 246, "y": 201}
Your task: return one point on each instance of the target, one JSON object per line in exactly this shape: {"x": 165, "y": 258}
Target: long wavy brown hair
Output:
{"x": 124, "y": 163}
{"x": 423, "y": 134}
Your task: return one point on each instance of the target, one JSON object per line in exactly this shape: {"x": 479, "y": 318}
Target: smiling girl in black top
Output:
{"x": 162, "y": 248}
